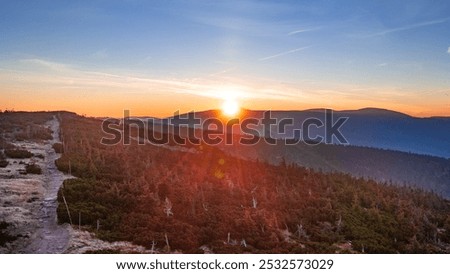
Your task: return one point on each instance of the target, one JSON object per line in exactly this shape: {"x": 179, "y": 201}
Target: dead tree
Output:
{"x": 254, "y": 202}
{"x": 152, "y": 251}
{"x": 339, "y": 223}
{"x": 301, "y": 233}
{"x": 167, "y": 242}
{"x": 168, "y": 207}
{"x": 67, "y": 208}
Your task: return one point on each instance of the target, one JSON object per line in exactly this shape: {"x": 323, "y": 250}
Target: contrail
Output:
{"x": 413, "y": 26}
{"x": 302, "y": 30}
{"x": 283, "y": 53}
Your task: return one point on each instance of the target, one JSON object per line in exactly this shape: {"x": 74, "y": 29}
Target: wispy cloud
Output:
{"x": 283, "y": 53}
{"x": 223, "y": 71}
{"x": 46, "y": 64}
{"x": 410, "y": 27}
{"x": 448, "y": 50}
{"x": 303, "y": 30}
{"x": 61, "y": 77}
{"x": 89, "y": 89}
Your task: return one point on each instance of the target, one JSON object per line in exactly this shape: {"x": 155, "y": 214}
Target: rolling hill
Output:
{"x": 370, "y": 127}
{"x": 385, "y": 146}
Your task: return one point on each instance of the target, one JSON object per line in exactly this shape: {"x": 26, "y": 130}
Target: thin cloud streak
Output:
{"x": 302, "y": 30}
{"x": 47, "y": 64}
{"x": 61, "y": 76}
{"x": 410, "y": 27}
{"x": 283, "y": 53}
{"x": 121, "y": 86}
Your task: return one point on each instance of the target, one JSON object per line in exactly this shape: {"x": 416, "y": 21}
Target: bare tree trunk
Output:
{"x": 167, "y": 242}
{"x": 67, "y": 208}
{"x": 339, "y": 223}
{"x": 254, "y": 202}
{"x": 168, "y": 207}
{"x": 153, "y": 247}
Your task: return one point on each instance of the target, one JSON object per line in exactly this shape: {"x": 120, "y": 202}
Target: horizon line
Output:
{"x": 218, "y": 110}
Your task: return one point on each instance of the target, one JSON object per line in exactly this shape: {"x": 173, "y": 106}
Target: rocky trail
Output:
{"x": 28, "y": 204}
{"x": 50, "y": 237}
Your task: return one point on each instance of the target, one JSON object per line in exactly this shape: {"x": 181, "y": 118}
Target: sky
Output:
{"x": 156, "y": 57}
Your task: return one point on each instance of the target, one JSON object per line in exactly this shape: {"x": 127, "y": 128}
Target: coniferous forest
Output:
{"x": 200, "y": 199}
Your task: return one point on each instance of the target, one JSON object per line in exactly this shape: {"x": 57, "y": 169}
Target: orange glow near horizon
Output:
{"x": 54, "y": 86}
{"x": 163, "y": 100}
{"x": 166, "y": 106}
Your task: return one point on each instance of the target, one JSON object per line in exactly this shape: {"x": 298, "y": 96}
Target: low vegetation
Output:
{"x": 33, "y": 169}
{"x": 4, "y": 144}
{"x": 23, "y": 126}
{"x": 18, "y": 153}
{"x": 58, "y": 147}
{"x": 4, "y": 236}
{"x": 3, "y": 161}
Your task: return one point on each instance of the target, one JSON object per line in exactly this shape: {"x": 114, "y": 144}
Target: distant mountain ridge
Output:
{"x": 370, "y": 127}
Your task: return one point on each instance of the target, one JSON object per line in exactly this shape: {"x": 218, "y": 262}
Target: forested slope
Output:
{"x": 204, "y": 199}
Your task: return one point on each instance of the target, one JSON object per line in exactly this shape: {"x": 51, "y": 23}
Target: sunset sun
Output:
{"x": 230, "y": 108}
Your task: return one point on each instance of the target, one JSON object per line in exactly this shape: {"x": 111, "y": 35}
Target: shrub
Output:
{"x": 3, "y": 163}
{"x": 5, "y": 237}
{"x": 34, "y": 132}
{"x": 58, "y": 147}
{"x": 42, "y": 134}
{"x": 33, "y": 169}
{"x": 18, "y": 153}
{"x": 6, "y": 145}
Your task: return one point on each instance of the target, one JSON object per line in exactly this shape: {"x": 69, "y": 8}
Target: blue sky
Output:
{"x": 191, "y": 54}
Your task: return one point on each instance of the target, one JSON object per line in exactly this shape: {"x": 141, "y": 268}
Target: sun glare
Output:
{"x": 230, "y": 108}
